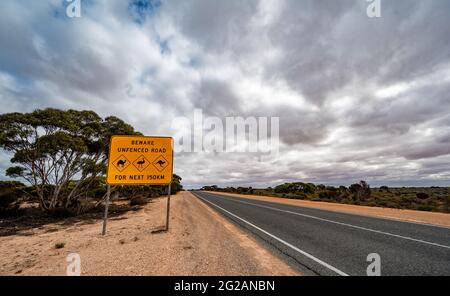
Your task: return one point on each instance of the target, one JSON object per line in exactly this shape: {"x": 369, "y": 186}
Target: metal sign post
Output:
{"x": 168, "y": 207}
{"x": 105, "y": 218}
{"x": 138, "y": 161}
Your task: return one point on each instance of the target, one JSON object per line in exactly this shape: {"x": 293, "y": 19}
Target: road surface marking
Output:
{"x": 340, "y": 223}
{"x": 280, "y": 240}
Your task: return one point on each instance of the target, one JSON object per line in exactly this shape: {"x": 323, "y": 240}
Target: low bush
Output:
{"x": 138, "y": 201}
{"x": 422, "y": 195}
{"x": 297, "y": 187}
{"x": 332, "y": 193}
{"x": 10, "y": 194}
{"x": 7, "y": 199}
{"x": 426, "y": 198}
{"x": 300, "y": 196}
{"x": 60, "y": 245}
{"x": 425, "y": 208}
{"x": 61, "y": 213}
{"x": 447, "y": 204}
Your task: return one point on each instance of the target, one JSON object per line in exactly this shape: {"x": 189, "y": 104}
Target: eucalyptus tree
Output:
{"x": 52, "y": 147}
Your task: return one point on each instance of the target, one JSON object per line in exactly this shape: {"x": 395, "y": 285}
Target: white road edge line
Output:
{"x": 340, "y": 223}
{"x": 280, "y": 240}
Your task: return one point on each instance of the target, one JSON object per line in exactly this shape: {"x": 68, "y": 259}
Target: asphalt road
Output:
{"x": 330, "y": 243}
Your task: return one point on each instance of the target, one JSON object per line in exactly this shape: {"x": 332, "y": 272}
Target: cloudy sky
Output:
{"x": 357, "y": 97}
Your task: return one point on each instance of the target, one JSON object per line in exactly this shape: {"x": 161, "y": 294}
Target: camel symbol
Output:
{"x": 121, "y": 163}
{"x": 141, "y": 163}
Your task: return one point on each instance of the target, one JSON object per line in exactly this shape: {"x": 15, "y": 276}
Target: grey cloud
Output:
{"x": 215, "y": 25}
{"x": 321, "y": 50}
{"x": 303, "y": 127}
{"x": 429, "y": 151}
{"x": 216, "y": 98}
{"x": 329, "y": 44}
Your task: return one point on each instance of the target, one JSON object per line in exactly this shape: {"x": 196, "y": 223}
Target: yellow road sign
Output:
{"x": 138, "y": 160}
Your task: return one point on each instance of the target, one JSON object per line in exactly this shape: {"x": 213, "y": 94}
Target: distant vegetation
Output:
{"x": 62, "y": 156}
{"x": 16, "y": 198}
{"x": 435, "y": 199}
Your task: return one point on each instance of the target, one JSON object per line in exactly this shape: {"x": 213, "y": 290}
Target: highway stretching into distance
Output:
{"x": 322, "y": 242}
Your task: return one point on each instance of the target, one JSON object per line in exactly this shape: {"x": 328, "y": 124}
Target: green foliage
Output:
{"x": 425, "y": 208}
{"x": 425, "y": 199}
{"x": 447, "y": 204}
{"x": 60, "y": 245}
{"x": 61, "y": 213}
{"x": 137, "y": 201}
{"x": 11, "y": 185}
{"x": 176, "y": 184}
{"x": 329, "y": 194}
{"x": 360, "y": 191}
{"x": 7, "y": 199}
{"x": 10, "y": 194}
{"x": 240, "y": 190}
{"x": 50, "y": 147}
{"x": 295, "y": 188}
{"x": 321, "y": 187}
{"x": 422, "y": 195}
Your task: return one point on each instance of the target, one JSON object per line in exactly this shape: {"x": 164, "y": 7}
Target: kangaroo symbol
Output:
{"x": 141, "y": 163}
{"x": 161, "y": 163}
{"x": 121, "y": 163}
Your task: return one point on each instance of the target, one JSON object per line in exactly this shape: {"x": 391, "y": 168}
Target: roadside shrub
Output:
{"x": 324, "y": 195}
{"x": 98, "y": 193}
{"x": 425, "y": 208}
{"x": 297, "y": 187}
{"x": 60, "y": 245}
{"x": 422, "y": 195}
{"x": 371, "y": 204}
{"x": 355, "y": 188}
{"x": 10, "y": 185}
{"x": 61, "y": 213}
{"x": 8, "y": 206}
{"x": 360, "y": 191}
{"x": 447, "y": 204}
{"x": 343, "y": 192}
{"x": 281, "y": 188}
{"x": 138, "y": 201}
{"x": 7, "y": 199}
{"x": 299, "y": 196}
{"x": 244, "y": 190}
{"x": 10, "y": 193}
{"x": 331, "y": 194}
